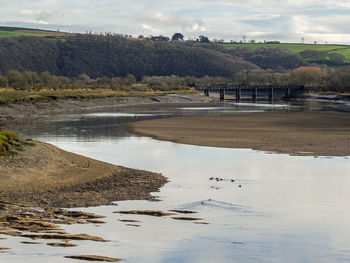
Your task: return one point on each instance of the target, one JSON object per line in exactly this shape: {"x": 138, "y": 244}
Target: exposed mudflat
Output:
{"x": 300, "y": 133}
{"x": 18, "y": 110}
{"x": 46, "y": 176}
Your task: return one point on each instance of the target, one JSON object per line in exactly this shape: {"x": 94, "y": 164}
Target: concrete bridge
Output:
{"x": 287, "y": 90}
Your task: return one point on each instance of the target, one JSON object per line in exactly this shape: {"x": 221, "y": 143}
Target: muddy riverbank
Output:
{"x": 46, "y": 176}
{"x": 12, "y": 111}
{"x": 301, "y": 133}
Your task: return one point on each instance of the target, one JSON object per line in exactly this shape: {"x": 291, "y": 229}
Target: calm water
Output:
{"x": 288, "y": 209}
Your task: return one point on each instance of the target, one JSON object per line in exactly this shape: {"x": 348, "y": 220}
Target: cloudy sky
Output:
{"x": 287, "y": 21}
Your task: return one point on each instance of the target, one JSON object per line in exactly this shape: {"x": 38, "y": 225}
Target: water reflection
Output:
{"x": 288, "y": 209}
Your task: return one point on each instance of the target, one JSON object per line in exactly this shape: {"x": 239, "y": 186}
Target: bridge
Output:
{"x": 288, "y": 90}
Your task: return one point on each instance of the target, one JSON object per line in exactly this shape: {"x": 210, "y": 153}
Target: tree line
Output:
{"x": 116, "y": 62}
{"x": 29, "y": 80}
{"x": 313, "y": 78}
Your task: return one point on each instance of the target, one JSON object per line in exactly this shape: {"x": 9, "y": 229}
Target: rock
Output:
{"x": 95, "y": 258}
{"x": 11, "y": 233}
{"x": 92, "y": 221}
{"x": 187, "y": 218}
{"x": 183, "y": 211}
{"x": 65, "y": 244}
{"x": 30, "y": 243}
{"x": 129, "y": 221}
{"x": 79, "y": 215}
{"x": 65, "y": 237}
{"x": 145, "y": 212}
{"x": 134, "y": 225}
{"x": 56, "y": 232}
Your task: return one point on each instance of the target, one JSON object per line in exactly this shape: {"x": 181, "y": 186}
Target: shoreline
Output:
{"x": 318, "y": 133}
{"x": 14, "y": 111}
{"x": 48, "y": 177}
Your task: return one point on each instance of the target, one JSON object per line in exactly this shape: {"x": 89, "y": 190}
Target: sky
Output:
{"x": 286, "y": 21}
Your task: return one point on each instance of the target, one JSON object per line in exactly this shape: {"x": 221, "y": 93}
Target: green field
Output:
{"x": 297, "y": 48}
{"x": 19, "y": 34}
{"x": 15, "y": 32}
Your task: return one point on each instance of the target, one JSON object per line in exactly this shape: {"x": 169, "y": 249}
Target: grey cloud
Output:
{"x": 229, "y": 19}
{"x": 44, "y": 15}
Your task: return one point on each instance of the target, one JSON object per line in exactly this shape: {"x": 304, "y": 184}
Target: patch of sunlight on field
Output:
{"x": 297, "y": 48}
{"x": 19, "y": 34}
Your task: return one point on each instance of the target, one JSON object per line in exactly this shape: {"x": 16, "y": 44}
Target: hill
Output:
{"x": 115, "y": 56}
{"x": 343, "y": 50}
{"x": 70, "y": 55}
{"x": 273, "y": 58}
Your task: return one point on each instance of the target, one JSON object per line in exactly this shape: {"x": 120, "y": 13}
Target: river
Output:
{"x": 260, "y": 207}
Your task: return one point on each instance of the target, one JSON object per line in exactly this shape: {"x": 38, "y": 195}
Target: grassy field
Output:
{"x": 11, "y": 95}
{"x": 18, "y": 32}
{"x": 297, "y": 48}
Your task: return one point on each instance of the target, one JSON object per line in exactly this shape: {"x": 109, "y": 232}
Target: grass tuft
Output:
{"x": 11, "y": 143}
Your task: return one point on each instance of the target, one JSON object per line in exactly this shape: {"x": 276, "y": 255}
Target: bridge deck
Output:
{"x": 290, "y": 90}
{"x": 249, "y": 87}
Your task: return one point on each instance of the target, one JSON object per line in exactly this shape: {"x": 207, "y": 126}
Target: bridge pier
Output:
{"x": 238, "y": 94}
{"x": 255, "y": 94}
{"x": 271, "y": 89}
{"x": 222, "y": 94}
{"x": 287, "y": 96}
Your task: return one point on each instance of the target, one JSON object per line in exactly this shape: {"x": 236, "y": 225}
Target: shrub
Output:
{"x": 9, "y": 143}
{"x": 4, "y": 148}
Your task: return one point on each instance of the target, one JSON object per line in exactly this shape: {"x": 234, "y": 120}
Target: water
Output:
{"x": 288, "y": 209}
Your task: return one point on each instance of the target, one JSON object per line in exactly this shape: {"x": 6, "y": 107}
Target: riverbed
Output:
{"x": 252, "y": 206}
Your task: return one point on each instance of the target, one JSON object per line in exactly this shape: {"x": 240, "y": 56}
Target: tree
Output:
{"x": 203, "y": 39}
{"x": 130, "y": 79}
{"x": 84, "y": 78}
{"x": 46, "y": 78}
{"x": 177, "y": 37}
{"x": 17, "y": 80}
{"x": 310, "y": 76}
{"x": 160, "y": 38}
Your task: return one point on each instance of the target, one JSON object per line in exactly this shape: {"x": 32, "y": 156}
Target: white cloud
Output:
{"x": 229, "y": 19}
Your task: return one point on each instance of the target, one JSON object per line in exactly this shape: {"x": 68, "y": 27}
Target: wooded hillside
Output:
{"x": 99, "y": 56}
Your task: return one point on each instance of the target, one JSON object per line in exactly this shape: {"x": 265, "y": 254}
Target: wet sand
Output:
{"x": 46, "y": 176}
{"x": 301, "y": 133}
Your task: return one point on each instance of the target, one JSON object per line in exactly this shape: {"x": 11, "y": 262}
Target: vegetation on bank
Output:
{"x": 86, "y": 66}
{"x": 11, "y": 143}
{"x": 311, "y": 53}
{"x": 27, "y": 86}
